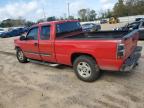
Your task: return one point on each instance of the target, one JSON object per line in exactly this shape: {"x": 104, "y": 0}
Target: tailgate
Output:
{"x": 130, "y": 42}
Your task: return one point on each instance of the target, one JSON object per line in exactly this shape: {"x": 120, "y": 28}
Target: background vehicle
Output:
{"x": 90, "y": 27}
{"x": 135, "y": 25}
{"x": 14, "y": 32}
{"x": 103, "y": 21}
{"x": 1, "y": 31}
{"x": 138, "y": 19}
{"x": 63, "y": 42}
{"x": 113, "y": 20}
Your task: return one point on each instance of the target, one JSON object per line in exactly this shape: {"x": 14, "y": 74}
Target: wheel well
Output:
{"x": 76, "y": 55}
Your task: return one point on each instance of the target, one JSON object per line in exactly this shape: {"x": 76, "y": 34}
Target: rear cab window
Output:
{"x": 65, "y": 28}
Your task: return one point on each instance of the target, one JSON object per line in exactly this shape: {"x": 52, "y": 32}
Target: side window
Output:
{"x": 45, "y": 33}
{"x": 33, "y": 34}
{"x": 66, "y": 28}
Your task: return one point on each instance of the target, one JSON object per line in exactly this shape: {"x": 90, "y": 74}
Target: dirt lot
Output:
{"x": 40, "y": 86}
{"x": 112, "y": 26}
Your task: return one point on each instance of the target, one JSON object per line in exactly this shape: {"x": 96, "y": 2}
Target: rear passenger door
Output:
{"x": 46, "y": 44}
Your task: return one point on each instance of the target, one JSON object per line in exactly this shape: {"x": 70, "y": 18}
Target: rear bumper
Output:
{"x": 131, "y": 61}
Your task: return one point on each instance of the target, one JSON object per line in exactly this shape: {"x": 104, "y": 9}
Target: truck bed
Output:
{"x": 99, "y": 35}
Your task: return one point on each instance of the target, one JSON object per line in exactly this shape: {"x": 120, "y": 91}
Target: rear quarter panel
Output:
{"x": 104, "y": 52}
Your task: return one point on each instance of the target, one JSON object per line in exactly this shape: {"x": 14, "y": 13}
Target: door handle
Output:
{"x": 35, "y": 44}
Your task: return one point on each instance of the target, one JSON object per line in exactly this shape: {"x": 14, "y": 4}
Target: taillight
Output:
{"x": 120, "y": 51}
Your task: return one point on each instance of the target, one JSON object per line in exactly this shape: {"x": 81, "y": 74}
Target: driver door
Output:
{"x": 30, "y": 46}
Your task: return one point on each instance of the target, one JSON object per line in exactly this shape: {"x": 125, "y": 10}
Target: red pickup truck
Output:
{"x": 63, "y": 42}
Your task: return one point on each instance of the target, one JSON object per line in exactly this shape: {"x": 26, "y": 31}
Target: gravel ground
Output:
{"x": 41, "y": 86}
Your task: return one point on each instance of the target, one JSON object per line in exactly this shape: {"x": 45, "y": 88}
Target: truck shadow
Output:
{"x": 7, "y": 53}
{"x": 116, "y": 74}
{"x": 105, "y": 75}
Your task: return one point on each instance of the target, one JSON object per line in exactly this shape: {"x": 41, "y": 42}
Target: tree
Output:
{"x": 40, "y": 20}
{"x": 87, "y": 15}
{"x": 108, "y": 13}
{"x": 83, "y": 14}
{"x": 102, "y": 14}
{"x": 92, "y": 15}
{"x": 140, "y": 7}
{"x": 29, "y": 23}
{"x": 16, "y": 23}
{"x": 129, "y": 7}
{"x": 120, "y": 9}
{"x": 12, "y": 22}
{"x": 52, "y": 18}
{"x": 135, "y": 7}
{"x": 71, "y": 18}
{"x": 61, "y": 18}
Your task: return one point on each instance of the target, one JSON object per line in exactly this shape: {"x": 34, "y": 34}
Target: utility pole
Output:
{"x": 44, "y": 14}
{"x": 68, "y": 10}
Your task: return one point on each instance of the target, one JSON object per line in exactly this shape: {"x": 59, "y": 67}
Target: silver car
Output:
{"x": 90, "y": 27}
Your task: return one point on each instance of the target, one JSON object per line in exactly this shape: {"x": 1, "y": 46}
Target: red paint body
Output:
{"x": 61, "y": 51}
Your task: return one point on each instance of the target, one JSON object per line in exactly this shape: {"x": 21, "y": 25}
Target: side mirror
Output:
{"x": 22, "y": 38}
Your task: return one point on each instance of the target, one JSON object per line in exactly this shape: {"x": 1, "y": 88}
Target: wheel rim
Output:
{"x": 84, "y": 69}
{"x": 20, "y": 55}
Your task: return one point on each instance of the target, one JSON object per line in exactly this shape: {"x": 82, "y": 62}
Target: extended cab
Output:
{"x": 63, "y": 42}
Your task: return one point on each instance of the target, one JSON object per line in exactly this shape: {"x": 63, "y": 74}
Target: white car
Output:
{"x": 1, "y": 30}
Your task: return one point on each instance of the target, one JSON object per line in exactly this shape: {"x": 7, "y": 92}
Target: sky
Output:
{"x": 36, "y": 9}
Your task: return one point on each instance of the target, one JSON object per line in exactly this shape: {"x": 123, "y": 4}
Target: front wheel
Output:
{"x": 20, "y": 56}
{"x": 86, "y": 69}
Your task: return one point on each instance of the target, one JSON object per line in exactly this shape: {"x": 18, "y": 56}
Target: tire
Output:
{"x": 20, "y": 56}
{"x": 86, "y": 69}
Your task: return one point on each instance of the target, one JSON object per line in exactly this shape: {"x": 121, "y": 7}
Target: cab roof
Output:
{"x": 54, "y": 22}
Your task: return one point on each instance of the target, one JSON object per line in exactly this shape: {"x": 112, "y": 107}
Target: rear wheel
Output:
{"x": 86, "y": 69}
{"x": 20, "y": 56}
